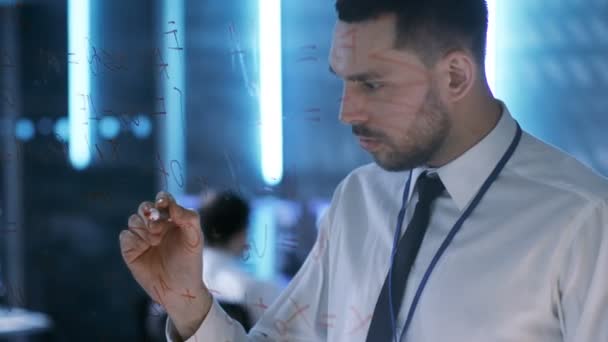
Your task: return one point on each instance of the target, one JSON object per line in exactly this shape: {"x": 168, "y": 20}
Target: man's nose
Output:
{"x": 353, "y": 108}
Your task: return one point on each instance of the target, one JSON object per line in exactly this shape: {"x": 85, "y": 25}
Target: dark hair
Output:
{"x": 224, "y": 216}
{"x": 429, "y": 27}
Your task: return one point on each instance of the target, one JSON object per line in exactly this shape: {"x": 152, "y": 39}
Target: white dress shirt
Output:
{"x": 529, "y": 265}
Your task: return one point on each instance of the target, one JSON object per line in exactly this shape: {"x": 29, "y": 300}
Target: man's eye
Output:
{"x": 372, "y": 85}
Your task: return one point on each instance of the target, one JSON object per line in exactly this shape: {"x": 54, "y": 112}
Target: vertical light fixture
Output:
{"x": 263, "y": 238}
{"x": 79, "y": 87}
{"x": 491, "y": 46}
{"x": 172, "y": 97}
{"x": 270, "y": 96}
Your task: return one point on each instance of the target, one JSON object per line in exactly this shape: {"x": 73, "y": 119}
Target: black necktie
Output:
{"x": 381, "y": 330}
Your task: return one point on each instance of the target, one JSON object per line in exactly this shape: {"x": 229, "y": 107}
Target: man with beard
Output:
{"x": 464, "y": 229}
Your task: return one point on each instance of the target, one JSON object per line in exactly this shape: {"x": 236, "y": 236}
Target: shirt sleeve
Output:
{"x": 584, "y": 281}
{"x": 294, "y": 316}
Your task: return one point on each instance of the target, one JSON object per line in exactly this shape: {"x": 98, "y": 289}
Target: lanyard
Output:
{"x": 484, "y": 188}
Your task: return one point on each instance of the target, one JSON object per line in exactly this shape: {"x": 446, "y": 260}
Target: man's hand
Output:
{"x": 165, "y": 258}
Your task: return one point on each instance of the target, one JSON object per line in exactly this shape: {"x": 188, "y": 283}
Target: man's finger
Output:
{"x": 137, "y": 225}
{"x": 136, "y": 221}
{"x": 131, "y": 246}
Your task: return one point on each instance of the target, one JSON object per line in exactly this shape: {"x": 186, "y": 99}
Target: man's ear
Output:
{"x": 457, "y": 72}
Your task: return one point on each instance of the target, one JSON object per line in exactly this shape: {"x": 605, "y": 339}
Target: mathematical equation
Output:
{"x": 100, "y": 60}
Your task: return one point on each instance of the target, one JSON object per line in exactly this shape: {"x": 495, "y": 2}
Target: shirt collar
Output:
{"x": 464, "y": 176}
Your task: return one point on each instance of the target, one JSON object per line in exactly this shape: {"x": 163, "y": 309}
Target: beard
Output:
{"x": 418, "y": 144}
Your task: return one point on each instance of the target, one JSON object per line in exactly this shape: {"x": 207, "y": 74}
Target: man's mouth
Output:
{"x": 369, "y": 144}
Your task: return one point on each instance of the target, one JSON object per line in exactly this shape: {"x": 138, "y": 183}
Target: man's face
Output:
{"x": 388, "y": 98}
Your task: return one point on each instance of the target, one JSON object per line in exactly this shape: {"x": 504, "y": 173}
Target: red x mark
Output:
{"x": 299, "y": 312}
{"x": 188, "y": 295}
{"x": 163, "y": 285}
{"x": 281, "y": 325}
{"x": 361, "y": 322}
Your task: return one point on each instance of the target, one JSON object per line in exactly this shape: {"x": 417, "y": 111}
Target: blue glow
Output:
{"x": 79, "y": 88}
{"x": 109, "y": 127}
{"x": 271, "y": 94}
{"x": 24, "y": 129}
{"x": 262, "y": 238}
{"x": 143, "y": 128}
{"x": 491, "y": 45}
{"x": 173, "y": 89}
{"x": 62, "y": 128}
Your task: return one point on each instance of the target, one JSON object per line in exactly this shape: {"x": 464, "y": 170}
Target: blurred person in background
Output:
{"x": 225, "y": 224}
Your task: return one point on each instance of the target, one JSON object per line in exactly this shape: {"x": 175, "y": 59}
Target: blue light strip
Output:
{"x": 172, "y": 97}
{"x": 79, "y": 87}
{"x": 491, "y": 46}
{"x": 271, "y": 103}
{"x": 263, "y": 238}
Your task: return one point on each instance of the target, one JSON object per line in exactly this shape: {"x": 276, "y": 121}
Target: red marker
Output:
{"x": 154, "y": 215}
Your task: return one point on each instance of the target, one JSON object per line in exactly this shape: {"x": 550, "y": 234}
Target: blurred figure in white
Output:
{"x": 225, "y": 222}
